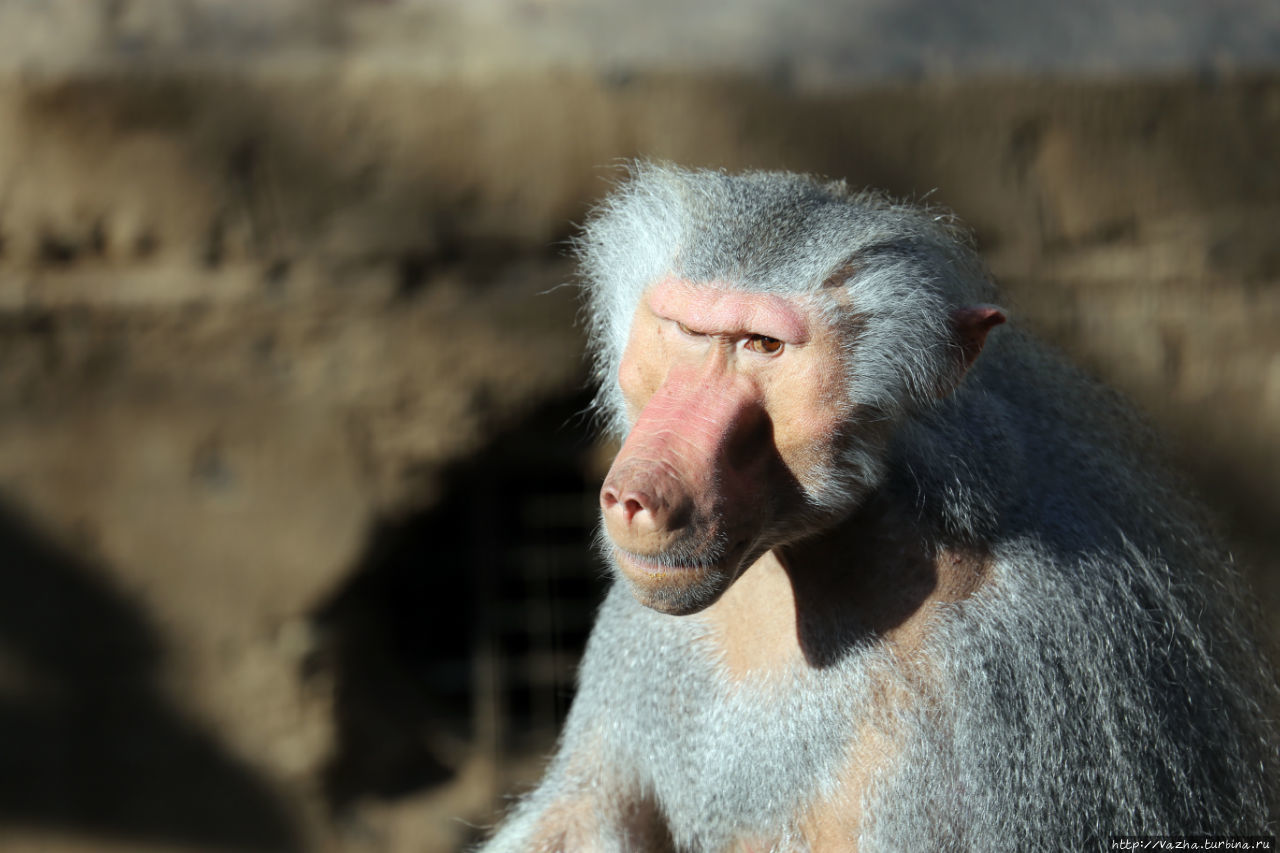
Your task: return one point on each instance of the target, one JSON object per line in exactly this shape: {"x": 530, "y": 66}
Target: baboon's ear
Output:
{"x": 969, "y": 327}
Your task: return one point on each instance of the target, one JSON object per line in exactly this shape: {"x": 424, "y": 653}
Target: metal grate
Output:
{"x": 463, "y": 626}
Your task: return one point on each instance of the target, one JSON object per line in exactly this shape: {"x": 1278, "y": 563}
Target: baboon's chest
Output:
{"x": 747, "y": 760}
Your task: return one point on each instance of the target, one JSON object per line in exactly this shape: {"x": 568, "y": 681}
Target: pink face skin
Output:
{"x": 736, "y": 401}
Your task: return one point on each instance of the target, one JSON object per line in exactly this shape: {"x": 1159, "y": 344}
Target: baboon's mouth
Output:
{"x": 679, "y": 584}
{"x": 659, "y": 564}
{"x": 656, "y": 565}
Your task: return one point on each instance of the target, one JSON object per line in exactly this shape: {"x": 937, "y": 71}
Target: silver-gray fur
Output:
{"x": 1102, "y": 681}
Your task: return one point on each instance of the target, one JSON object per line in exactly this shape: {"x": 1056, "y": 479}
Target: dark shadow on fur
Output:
{"x": 889, "y": 574}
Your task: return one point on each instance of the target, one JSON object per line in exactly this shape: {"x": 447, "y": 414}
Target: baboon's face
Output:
{"x": 737, "y": 405}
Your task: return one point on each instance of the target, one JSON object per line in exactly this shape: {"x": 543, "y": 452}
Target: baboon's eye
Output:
{"x": 764, "y": 344}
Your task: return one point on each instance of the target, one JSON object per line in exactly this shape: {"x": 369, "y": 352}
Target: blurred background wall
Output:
{"x": 296, "y": 491}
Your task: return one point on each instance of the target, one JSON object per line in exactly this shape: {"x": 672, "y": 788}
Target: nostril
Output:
{"x": 626, "y": 503}
{"x": 630, "y": 507}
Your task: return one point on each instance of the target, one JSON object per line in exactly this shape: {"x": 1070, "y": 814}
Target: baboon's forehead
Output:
{"x": 763, "y": 231}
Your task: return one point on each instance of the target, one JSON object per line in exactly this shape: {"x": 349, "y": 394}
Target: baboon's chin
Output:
{"x": 673, "y": 589}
